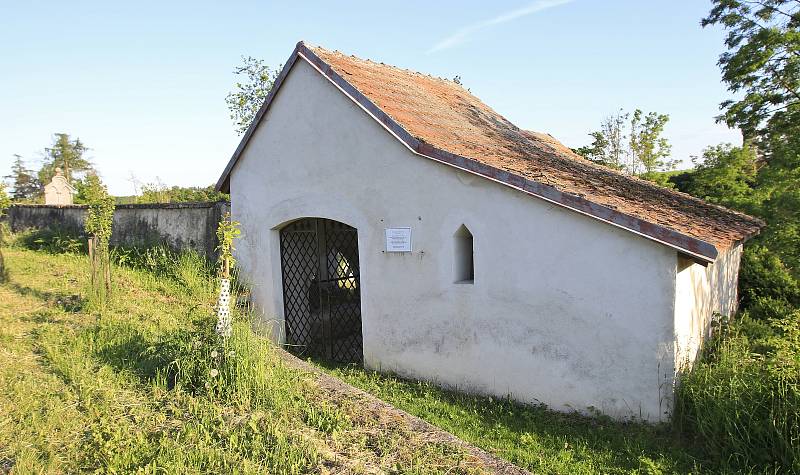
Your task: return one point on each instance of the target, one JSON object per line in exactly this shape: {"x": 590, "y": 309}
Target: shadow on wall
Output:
{"x": 702, "y": 292}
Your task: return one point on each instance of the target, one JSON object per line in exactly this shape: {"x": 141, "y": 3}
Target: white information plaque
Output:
{"x": 398, "y": 239}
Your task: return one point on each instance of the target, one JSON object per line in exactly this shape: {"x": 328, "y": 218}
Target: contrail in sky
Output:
{"x": 461, "y": 35}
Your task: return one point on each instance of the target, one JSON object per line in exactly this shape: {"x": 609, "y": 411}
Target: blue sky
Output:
{"x": 143, "y": 83}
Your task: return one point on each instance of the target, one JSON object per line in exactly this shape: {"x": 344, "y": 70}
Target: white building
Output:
{"x": 58, "y": 191}
{"x": 390, "y": 217}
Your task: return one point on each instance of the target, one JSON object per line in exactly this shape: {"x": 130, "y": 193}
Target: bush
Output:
{"x": 740, "y": 402}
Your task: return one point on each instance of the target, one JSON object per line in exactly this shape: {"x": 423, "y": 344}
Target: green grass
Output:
{"x": 531, "y": 437}
{"x": 144, "y": 386}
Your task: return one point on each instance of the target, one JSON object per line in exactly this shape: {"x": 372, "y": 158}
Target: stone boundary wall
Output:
{"x": 179, "y": 225}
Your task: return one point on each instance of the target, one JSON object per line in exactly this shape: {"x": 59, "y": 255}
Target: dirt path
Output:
{"x": 386, "y": 415}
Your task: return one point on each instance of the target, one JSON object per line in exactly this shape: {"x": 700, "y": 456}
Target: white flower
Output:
{"x": 214, "y": 354}
{"x": 214, "y": 373}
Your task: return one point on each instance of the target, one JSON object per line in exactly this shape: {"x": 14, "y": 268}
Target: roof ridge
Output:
{"x": 386, "y": 65}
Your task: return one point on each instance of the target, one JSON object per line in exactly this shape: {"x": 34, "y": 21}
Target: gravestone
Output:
{"x": 58, "y": 191}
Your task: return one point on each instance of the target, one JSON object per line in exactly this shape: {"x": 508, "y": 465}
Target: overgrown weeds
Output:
{"x": 740, "y": 404}
{"x": 741, "y": 400}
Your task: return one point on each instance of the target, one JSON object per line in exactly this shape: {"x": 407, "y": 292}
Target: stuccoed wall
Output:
{"x": 700, "y": 292}
{"x": 179, "y": 225}
{"x": 564, "y": 310}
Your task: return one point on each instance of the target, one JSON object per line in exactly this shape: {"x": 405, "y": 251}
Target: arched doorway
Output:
{"x": 322, "y": 290}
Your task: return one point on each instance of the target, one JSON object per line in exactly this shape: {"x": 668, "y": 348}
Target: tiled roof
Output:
{"x": 441, "y": 119}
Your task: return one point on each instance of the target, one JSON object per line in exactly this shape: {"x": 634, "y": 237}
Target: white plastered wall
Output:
{"x": 564, "y": 310}
{"x": 700, "y": 292}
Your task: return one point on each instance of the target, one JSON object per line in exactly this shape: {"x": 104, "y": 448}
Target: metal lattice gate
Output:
{"x": 321, "y": 289}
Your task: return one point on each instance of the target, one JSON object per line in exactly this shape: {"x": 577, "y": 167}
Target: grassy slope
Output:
{"x": 534, "y": 438}
{"x": 80, "y": 392}
{"x": 81, "y": 395}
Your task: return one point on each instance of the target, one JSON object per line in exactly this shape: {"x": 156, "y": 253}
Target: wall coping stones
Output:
{"x": 183, "y": 205}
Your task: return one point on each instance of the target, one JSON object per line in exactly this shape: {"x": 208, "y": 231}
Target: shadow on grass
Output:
{"x": 71, "y": 303}
{"x": 121, "y": 345}
{"x": 124, "y": 347}
{"x": 149, "y": 356}
{"x": 3, "y": 270}
{"x": 527, "y": 435}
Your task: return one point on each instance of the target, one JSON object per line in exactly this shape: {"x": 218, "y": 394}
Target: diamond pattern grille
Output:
{"x": 321, "y": 289}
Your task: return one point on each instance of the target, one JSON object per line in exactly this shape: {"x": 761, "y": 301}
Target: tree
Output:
{"x": 156, "y": 192}
{"x": 608, "y": 147}
{"x": 251, "y": 91}
{"x": 26, "y": 185}
{"x": 227, "y": 231}
{"x": 778, "y": 184}
{"x": 596, "y": 151}
{"x": 5, "y": 200}
{"x": 65, "y": 154}
{"x": 648, "y": 149}
{"x": 761, "y": 64}
{"x": 726, "y": 175}
{"x": 159, "y": 193}
{"x": 762, "y": 67}
{"x": 98, "y": 225}
{"x": 636, "y": 146}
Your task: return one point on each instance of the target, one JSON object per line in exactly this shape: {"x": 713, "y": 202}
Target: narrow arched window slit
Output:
{"x": 464, "y": 256}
